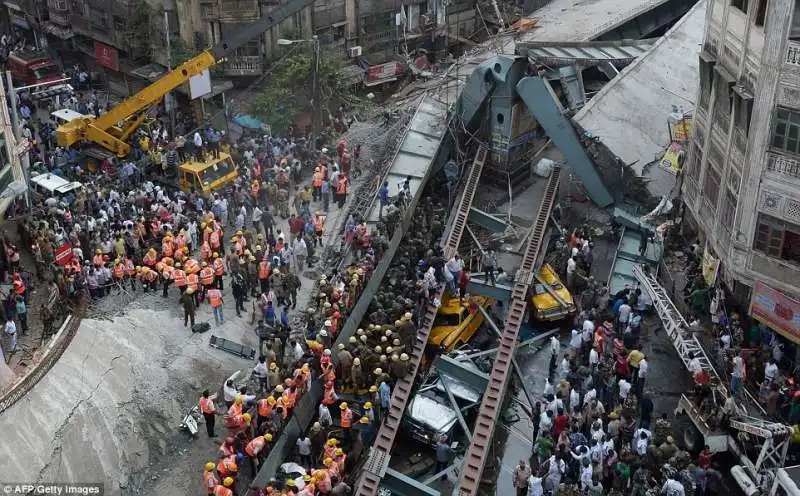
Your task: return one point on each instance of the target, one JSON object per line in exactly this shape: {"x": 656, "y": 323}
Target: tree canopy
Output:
{"x": 288, "y": 91}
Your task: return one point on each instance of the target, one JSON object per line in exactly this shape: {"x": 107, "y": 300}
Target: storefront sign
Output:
{"x": 106, "y": 56}
{"x": 710, "y": 267}
{"x": 776, "y": 310}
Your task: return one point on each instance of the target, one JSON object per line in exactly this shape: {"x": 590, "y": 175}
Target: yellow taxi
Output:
{"x": 545, "y": 307}
{"x": 457, "y": 320}
{"x": 208, "y": 175}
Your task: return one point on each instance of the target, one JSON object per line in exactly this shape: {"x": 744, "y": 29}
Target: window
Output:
{"x": 338, "y": 33}
{"x": 119, "y": 23}
{"x": 711, "y": 185}
{"x": 743, "y": 111}
{"x": 777, "y": 238}
{"x": 740, "y": 4}
{"x": 761, "y": 13}
{"x": 448, "y": 319}
{"x": 696, "y": 162}
{"x": 249, "y": 49}
{"x": 786, "y": 135}
{"x": 706, "y": 79}
{"x": 728, "y": 210}
{"x": 723, "y": 84}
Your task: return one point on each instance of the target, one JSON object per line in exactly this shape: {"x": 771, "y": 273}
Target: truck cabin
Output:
{"x": 33, "y": 67}
{"x": 207, "y": 176}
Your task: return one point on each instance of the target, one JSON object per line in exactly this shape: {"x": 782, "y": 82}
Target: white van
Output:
{"x": 50, "y": 185}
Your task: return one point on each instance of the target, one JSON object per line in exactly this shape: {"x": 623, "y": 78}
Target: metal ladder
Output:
{"x": 378, "y": 460}
{"x": 686, "y": 342}
{"x": 475, "y": 459}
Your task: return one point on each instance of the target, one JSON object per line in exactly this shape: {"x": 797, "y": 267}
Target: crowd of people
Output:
{"x": 357, "y": 373}
{"x": 595, "y": 431}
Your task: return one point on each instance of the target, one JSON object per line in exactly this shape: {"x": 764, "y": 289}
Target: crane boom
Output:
{"x": 112, "y": 129}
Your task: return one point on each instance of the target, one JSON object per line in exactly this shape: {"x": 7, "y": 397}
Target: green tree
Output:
{"x": 288, "y": 91}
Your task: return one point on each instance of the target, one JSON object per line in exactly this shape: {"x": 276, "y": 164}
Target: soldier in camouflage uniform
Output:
{"x": 662, "y": 430}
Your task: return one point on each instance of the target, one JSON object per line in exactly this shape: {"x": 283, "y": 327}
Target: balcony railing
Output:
{"x": 239, "y": 11}
{"x": 209, "y": 11}
{"x": 793, "y": 54}
{"x": 783, "y": 165}
{"x": 252, "y": 65}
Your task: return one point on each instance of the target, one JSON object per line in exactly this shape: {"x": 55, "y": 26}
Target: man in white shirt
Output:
{"x": 641, "y": 440}
{"x": 643, "y": 366}
{"x": 738, "y": 375}
{"x": 261, "y": 372}
{"x": 594, "y": 357}
{"x": 198, "y": 145}
{"x": 571, "y": 265}
{"x": 11, "y": 330}
{"x": 455, "y": 266}
{"x": 770, "y": 371}
{"x": 624, "y": 390}
{"x": 623, "y": 317}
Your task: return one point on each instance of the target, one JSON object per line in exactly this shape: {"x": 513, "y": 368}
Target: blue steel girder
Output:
{"x": 477, "y": 286}
{"x": 402, "y": 485}
{"x": 487, "y": 220}
{"x": 453, "y": 368}
{"x": 536, "y": 94}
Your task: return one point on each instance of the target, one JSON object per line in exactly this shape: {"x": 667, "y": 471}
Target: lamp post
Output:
{"x": 315, "y": 69}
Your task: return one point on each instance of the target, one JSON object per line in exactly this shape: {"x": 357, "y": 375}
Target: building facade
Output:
{"x": 121, "y": 35}
{"x": 742, "y": 178}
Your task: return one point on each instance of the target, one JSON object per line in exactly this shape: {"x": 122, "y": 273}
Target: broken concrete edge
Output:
{"x": 58, "y": 344}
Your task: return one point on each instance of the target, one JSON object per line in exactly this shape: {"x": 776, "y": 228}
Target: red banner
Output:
{"x": 776, "y": 310}
{"x": 64, "y": 254}
{"x": 106, "y": 56}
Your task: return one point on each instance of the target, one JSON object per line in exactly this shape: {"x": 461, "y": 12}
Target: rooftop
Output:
{"x": 629, "y": 114}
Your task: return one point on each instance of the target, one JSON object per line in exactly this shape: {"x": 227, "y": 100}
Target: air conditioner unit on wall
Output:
{"x": 354, "y": 51}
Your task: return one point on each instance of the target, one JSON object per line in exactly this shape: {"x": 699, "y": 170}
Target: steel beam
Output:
{"x": 550, "y": 290}
{"x": 403, "y": 485}
{"x": 454, "y": 404}
{"x": 518, "y": 347}
{"x": 514, "y": 363}
{"x": 433, "y": 478}
{"x": 487, "y": 220}
{"x": 538, "y": 97}
{"x": 455, "y": 369}
{"x": 476, "y": 286}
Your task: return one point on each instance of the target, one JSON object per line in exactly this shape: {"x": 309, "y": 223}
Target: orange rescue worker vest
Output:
{"x": 97, "y": 259}
{"x": 222, "y": 491}
{"x": 291, "y": 399}
{"x": 130, "y": 268}
{"x": 193, "y": 282}
{"x": 255, "y": 446}
{"x": 119, "y": 271}
{"x": 219, "y": 267}
{"x": 179, "y": 276}
{"x": 167, "y": 247}
{"x": 279, "y": 246}
{"x": 213, "y": 239}
{"x": 167, "y": 272}
{"x": 319, "y": 223}
{"x": 19, "y": 286}
{"x": 205, "y": 250}
{"x": 150, "y": 276}
{"x": 210, "y": 481}
{"x": 215, "y": 297}
{"x": 341, "y": 188}
{"x": 192, "y": 266}
{"x": 317, "y": 180}
{"x": 206, "y": 276}
{"x": 329, "y": 396}
{"x": 347, "y": 418}
{"x": 263, "y": 270}
{"x": 264, "y": 408}
{"x": 150, "y": 258}
{"x": 206, "y": 405}
{"x": 180, "y": 242}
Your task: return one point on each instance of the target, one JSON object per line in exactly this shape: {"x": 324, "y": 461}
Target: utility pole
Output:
{"x": 168, "y": 100}
{"x": 24, "y": 161}
{"x": 315, "y": 114}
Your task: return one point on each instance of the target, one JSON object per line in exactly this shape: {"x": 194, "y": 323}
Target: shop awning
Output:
{"x": 58, "y": 31}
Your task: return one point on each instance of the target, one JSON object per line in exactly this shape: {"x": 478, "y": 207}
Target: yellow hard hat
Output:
{"x": 210, "y": 466}
{"x": 216, "y": 255}
{"x": 239, "y": 399}
{"x": 97, "y": 251}
{"x": 291, "y": 483}
{"x": 328, "y": 461}
{"x": 343, "y": 406}
{"x": 228, "y": 482}
{"x": 246, "y": 417}
{"x": 177, "y": 265}
{"x": 373, "y": 389}
{"x": 339, "y": 451}
{"x": 268, "y": 436}
{"x": 202, "y": 225}
{"x": 271, "y": 400}
{"x": 364, "y": 420}
{"x": 204, "y": 264}
{"x": 368, "y": 405}
{"x": 331, "y": 442}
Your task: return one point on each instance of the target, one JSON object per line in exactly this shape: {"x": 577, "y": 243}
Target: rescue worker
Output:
{"x": 218, "y": 265}
{"x": 209, "y": 412}
{"x": 210, "y": 480}
{"x": 254, "y": 448}
{"x": 206, "y": 279}
{"x": 317, "y": 184}
{"x": 225, "y": 488}
{"x": 346, "y": 418}
{"x": 217, "y": 302}
{"x": 319, "y": 227}
{"x": 263, "y": 274}
{"x": 193, "y": 285}
{"x": 189, "y": 306}
{"x": 179, "y": 278}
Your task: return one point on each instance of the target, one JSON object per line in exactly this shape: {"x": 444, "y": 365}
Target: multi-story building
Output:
{"x": 742, "y": 178}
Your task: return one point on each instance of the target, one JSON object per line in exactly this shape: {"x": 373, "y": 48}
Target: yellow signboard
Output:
{"x": 710, "y": 267}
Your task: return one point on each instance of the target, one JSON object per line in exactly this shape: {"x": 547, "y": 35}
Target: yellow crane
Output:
{"x": 112, "y": 129}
